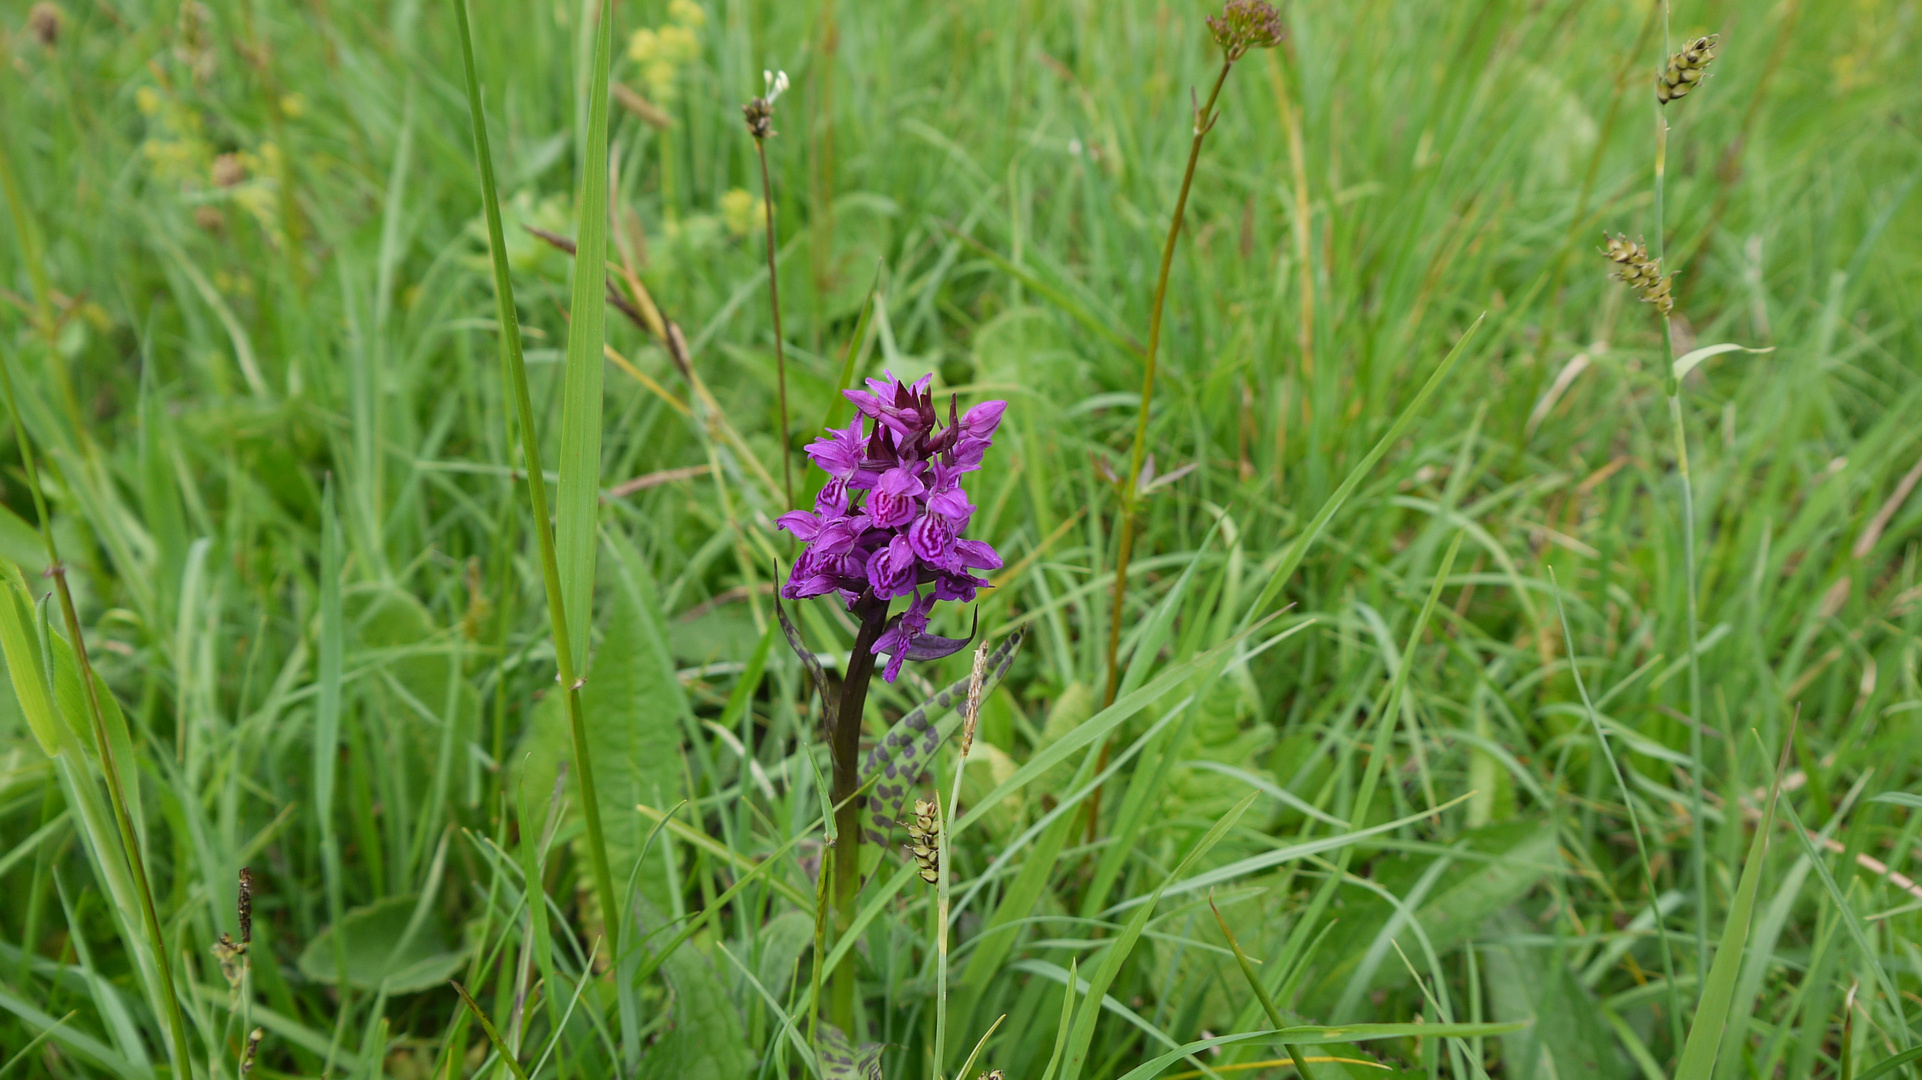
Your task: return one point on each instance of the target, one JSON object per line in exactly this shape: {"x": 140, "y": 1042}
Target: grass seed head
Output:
{"x": 1244, "y": 25}
{"x": 1635, "y": 269}
{"x": 1685, "y": 69}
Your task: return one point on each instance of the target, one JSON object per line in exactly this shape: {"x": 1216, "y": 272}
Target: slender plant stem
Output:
{"x": 514, "y": 374}
{"x": 1204, "y": 120}
{"x": 774, "y": 305}
{"x": 1698, "y": 846}
{"x": 844, "y": 744}
{"x": 116, "y": 790}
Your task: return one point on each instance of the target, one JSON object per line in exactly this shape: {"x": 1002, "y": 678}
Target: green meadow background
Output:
{"x": 246, "y": 307}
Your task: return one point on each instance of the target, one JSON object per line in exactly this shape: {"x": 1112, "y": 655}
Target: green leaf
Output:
{"x": 1527, "y": 981}
{"x": 1299, "y": 549}
{"x": 1899, "y": 798}
{"x": 1712, "y": 1013}
{"x": 1890, "y": 1064}
{"x": 637, "y": 702}
{"x": 1688, "y": 361}
{"x": 1324, "y": 1036}
{"x": 379, "y": 949}
{"x": 577, "y": 502}
{"x": 705, "y": 1039}
{"x": 1514, "y": 857}
{"x": 842, "y": 1061}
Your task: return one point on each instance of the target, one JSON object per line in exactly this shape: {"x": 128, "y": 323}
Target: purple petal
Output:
{"x": 804, "y": 525}
{"x": 977, "y": 554}
{"x": 981, "y": 420}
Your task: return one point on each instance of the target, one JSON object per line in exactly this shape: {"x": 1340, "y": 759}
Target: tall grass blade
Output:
{"x": 580, "y": 448}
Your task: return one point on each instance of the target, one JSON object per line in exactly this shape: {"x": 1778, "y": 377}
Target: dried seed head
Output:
{"x": 1244, "y": 25}
{"x": 1685, "y": 69}
{"x": 760, "y": 117}
{"x": 971, "y": 715}
{"x": 245, "y": 907}
{"x": 1635, "y": 269}
{"x": 253, "y": 1047}
{"x": 760, "y": 111}
{"x": 925, "y": 832}
{"x": 44, "y": 23}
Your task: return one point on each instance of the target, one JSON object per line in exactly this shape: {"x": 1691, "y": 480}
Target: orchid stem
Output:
{"x": 844, "y": 744}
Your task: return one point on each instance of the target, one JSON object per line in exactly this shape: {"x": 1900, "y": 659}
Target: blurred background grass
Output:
{"x": 244, "y": 254}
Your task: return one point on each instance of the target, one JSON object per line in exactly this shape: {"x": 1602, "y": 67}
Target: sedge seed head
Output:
{"x": 924, "y": 832}
{"x": 1634, "y": 268}
{"x": 1244, "y": 25}
{"x": 1686, "y": 69}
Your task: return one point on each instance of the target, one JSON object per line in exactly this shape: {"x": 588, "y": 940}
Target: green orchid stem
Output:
{"x": 844, "y": 744}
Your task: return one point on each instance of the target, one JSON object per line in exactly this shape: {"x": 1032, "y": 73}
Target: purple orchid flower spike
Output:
{"x": 891, "y": 521}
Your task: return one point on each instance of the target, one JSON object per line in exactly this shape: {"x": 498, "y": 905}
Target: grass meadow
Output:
{"x": 1505, "y": 682}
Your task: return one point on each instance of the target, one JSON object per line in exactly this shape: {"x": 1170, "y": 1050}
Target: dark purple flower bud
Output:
{"x": 891, "y": 570}
{"x": 893, "y": 502}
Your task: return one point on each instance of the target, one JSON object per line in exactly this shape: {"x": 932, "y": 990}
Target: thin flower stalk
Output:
{"x": 759, "y": 115}
{"x": 888, "y": 524}
{"x": 1242, "y": 25}
{"x": 1641, "y": 268}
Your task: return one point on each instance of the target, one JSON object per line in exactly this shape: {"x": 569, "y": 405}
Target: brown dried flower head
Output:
{"x": 1635, "y": 269}
{"x": 44, "y": 23}
{"x": 1685, "y": 69}
{"x": 1244, "y": 25}
{"x": 760, "y": 111}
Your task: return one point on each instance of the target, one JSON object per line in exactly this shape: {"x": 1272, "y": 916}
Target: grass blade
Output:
{"x": 1712, "y": 1013}
{"x": 580, "y": 575}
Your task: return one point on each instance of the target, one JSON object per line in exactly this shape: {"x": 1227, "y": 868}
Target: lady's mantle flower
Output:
{"x": 891, "y": 517}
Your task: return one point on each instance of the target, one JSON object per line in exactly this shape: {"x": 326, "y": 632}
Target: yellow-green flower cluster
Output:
{"x": 741, "y": 212}
{"x": 664, "y": 50}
